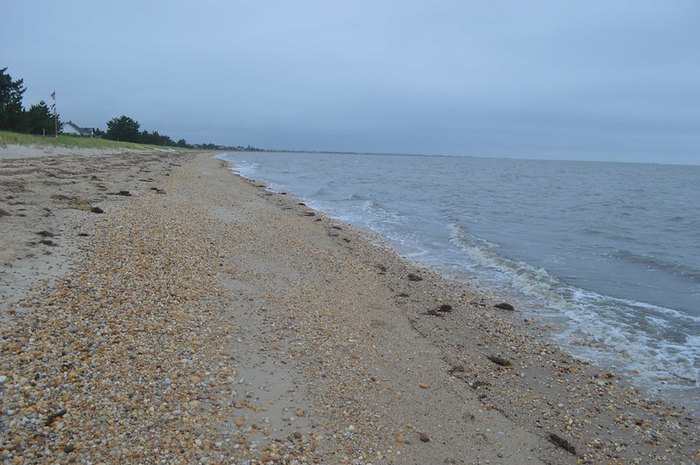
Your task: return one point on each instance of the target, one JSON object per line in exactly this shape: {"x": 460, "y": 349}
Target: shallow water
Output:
{"x": 609, "y": 252}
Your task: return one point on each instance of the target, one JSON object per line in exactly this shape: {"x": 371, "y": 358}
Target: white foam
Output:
{"x": 593, "y": 325}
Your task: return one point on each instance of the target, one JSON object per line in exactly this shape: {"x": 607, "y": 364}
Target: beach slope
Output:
{"x": 204, "y": 319}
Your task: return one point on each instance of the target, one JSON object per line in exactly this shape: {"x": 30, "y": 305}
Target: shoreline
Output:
{"x": 220, "y": 314}
{"x": 660, "y": 374}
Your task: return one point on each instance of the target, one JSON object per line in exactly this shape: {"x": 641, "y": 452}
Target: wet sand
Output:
{"x": 203, "y": 319}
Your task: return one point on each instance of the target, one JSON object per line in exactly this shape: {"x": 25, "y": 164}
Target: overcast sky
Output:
{"x": 603, "y": 80}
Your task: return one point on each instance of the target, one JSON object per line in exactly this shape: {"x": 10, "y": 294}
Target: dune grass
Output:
{"x": 14, "y": 138}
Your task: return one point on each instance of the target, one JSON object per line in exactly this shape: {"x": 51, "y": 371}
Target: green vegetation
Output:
{"x": 123, "y": 128}
{"x": 38, "y": 120}
{"x": 11, "y": 92}
{"x": 7, "y": 138}
{"x": 127, "y": 129}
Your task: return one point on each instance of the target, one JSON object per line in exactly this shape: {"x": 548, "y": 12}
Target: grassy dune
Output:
{"x": 8, "y": 138}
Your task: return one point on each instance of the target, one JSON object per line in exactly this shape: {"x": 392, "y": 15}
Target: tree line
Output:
{"x": 127, "y": 129}
{"x": 40, "y": 119}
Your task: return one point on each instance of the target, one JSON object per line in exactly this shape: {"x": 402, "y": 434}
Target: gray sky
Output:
{"x": 603, "y": 80}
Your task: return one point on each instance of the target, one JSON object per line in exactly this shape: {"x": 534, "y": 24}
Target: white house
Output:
{"x": 73, "y": 129}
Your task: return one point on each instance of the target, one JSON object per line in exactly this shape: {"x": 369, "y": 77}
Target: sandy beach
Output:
{"x": 157, "y": 308}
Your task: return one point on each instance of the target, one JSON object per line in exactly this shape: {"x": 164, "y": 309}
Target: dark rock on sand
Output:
{"x": 96, "y": 210}
{"x": 505, "y": 306}
{"x": 51, "y": 418}
{"x": 561, "y": 442}
{"x": 424, "y": 437}
{"x": 445, "y": 308}
{"x": 499, "y": 360}
{"x": 414, "y": 277}
{"x": 456, "y": 369}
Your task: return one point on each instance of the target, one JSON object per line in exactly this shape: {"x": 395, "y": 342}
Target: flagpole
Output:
{"x": 55, "y": 114}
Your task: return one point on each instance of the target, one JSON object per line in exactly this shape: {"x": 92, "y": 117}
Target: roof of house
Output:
{"x": 79, "y": 130}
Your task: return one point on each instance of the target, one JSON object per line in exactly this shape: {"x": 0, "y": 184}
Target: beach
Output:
{"x": 157, "y": 308}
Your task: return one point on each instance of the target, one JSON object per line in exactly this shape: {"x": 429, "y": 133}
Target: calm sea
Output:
{"x": 607, "y": 252}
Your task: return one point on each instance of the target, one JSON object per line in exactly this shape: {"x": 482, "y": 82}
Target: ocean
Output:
{"x": 607, "y": 253}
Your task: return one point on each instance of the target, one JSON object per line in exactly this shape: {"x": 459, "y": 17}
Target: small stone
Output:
{"x": 68, "y": 448}
{"x": 300, "y": 413}
{"x": 499, "y": 360}
{"x": 424, "y": 437}
{"x": 51, "y": 418}
{"x": 563, "y": 443}
{"x": 456, "y": 369}
{"x": 96, "y": 210}
{"x": 505, "y": 306}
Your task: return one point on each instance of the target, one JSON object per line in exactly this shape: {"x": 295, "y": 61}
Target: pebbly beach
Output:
{"x": 157, "y": 308}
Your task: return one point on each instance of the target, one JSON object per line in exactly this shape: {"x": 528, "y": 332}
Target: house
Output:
{"x": 73, "y": 129}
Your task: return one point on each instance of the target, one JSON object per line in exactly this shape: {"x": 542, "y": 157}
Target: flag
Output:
{"x": 53, "y": 95}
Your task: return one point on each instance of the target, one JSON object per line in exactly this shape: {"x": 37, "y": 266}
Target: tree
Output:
{"x": 124, "y": 129}
{"x": 40, "y": 120}
{"x": 11, "y": 111}
{"x": 154, "y": 138}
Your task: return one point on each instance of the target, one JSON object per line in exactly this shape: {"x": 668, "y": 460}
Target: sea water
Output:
{"x": 609, "y": 253}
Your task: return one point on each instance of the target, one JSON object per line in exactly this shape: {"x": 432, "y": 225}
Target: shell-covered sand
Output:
{"x": 203, "y": 319}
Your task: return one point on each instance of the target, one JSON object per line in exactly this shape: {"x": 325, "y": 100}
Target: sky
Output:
{"x": 615, "y": 80}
